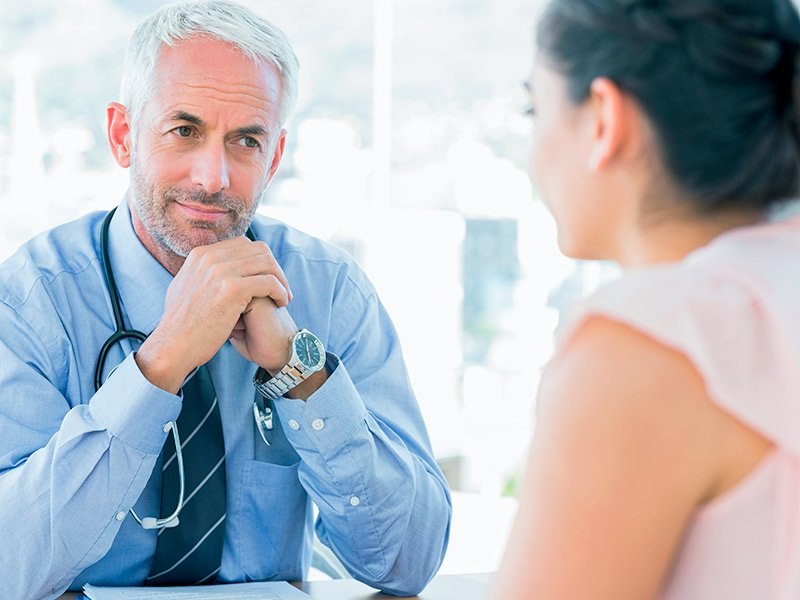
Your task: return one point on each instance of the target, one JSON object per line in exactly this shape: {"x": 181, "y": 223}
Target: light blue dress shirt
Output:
{"x": 73, "y": 462}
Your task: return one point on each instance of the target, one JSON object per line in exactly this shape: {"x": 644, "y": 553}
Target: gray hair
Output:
{"x": 250, "y": 34}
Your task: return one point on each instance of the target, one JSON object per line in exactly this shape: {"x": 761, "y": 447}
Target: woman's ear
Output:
{"x": 611, "y": 122}
{"x": 119, "y": 133}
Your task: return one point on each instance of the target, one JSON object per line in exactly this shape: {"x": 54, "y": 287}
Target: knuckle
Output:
{"x": 274, "y": 284}
{"x": 216, "y": 269}
{"x": 195, "y": 254}
{"x": 262, "y": 247}
{"x": 265, "y": 253}
{"x": 227, "y": 288}
{"x": 276, "y": 289}
{"x": 206, "y": 260}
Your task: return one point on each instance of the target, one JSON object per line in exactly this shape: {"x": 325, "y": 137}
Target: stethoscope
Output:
{"x": 262, "y": 414}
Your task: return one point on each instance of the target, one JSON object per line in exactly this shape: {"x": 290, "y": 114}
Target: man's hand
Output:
{"x": 214, "y": 287}
{"x": 262, "y": 335}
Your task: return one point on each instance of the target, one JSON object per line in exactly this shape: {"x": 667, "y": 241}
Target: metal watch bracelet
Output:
{"x": 277, "y": 386}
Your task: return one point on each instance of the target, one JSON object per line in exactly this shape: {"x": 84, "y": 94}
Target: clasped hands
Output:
{"x": 230, "y": 290}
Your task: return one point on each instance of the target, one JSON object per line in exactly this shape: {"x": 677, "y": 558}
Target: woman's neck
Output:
{"x": 670, "y": 239}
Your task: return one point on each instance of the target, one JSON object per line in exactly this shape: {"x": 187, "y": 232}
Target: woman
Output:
{"x": 666, "y": 461}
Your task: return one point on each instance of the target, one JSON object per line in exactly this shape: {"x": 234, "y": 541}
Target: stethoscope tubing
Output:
{"x": 121, "y": 333}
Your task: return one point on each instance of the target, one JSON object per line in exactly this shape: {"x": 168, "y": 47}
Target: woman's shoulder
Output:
{"x": 624, "y": 421}
{"x": 731, "y": 309}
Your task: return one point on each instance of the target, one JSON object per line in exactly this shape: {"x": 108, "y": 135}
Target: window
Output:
{"x": 408, "y": 148}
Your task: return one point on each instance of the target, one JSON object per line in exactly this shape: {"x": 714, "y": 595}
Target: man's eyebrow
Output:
{"x": 252, "y": 130}
{"x": 187, "y": 117}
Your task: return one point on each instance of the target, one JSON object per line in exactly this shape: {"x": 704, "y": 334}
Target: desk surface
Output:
{"x": 443, "y": 587}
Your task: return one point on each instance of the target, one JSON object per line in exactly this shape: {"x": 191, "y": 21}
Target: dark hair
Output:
{"x": 716, "y": 78}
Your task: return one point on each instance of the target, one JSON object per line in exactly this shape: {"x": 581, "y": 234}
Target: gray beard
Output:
{"x": 152, "y": 206}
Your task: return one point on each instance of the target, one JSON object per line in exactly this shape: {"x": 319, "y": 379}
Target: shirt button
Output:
{"x": 120, "y": 515}
{"x": 294, "y": 424}
{"x": 318, "y": 424}
{"x": 354, "y": 501}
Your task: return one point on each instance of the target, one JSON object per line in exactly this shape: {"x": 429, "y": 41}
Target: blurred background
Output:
{"x": 408, "y": 148}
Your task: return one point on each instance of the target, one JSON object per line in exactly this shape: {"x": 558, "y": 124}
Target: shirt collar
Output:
{"x": 141, "y": 280}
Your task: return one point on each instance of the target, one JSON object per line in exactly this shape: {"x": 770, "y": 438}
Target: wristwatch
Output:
{"x": 308, "y": 356}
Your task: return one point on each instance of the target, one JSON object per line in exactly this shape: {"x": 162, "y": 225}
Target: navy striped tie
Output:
{"x": 190, "y": 553}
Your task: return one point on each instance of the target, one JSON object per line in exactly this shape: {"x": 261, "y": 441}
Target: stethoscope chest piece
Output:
{"x": 263, "y": 417}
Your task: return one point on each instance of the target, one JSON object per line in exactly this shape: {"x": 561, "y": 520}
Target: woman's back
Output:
{"x": 733, "y": 308}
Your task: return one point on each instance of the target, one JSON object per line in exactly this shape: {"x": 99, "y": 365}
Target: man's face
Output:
{"x": 205, "y": 146}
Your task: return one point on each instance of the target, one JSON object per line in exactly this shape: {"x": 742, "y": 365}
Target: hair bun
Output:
{"x": 725, "y": 39}
{"x": 652, "y": 22}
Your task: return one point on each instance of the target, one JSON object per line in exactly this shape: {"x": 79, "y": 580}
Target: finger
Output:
{"x": 271, "y": 265}
{"x": 239, "y": 330}
{"x": 240, "y": 321}
{"x": 258, "y": 264}
{"x": 267, "y": 286}
{"x": 227, "y": 251}
{"x": 254, "y": 267}
{"x": 241, "y": 257}
{"x": 235, "y": 244}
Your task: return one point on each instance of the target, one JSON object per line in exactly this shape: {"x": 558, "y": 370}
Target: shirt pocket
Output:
{"x": 275, "y": 510}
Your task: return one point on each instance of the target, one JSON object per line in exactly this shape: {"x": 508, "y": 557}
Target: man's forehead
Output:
{"x": 211, "y": 68}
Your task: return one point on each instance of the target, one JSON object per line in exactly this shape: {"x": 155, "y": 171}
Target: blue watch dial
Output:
{"x": 307, "y": 350}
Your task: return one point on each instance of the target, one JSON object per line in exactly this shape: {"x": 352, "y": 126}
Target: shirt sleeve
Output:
{"x": 367, "y": 463}
{"x": 68, "y": 474}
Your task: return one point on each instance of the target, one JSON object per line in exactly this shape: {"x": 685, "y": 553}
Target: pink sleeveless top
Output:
{"x": 733, "y": 308}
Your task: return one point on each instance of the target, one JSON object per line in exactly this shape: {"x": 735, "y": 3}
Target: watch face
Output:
{"x": 307, "y": 349}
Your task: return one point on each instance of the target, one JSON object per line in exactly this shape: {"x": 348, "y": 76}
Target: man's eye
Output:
{"x": 250, "y": 142}
{"x": 184, "y": 131}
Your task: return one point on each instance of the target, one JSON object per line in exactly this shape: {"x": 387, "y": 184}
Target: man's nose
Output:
{"x": 210, "y": 168}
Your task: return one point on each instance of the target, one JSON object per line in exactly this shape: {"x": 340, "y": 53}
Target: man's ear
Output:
{"x": 119, "y": 133}
{"x": 610, "y": 126}
{"x": 276, "y": 157}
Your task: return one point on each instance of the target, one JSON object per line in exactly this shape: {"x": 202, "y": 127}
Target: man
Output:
{"x": 205, "y": 92}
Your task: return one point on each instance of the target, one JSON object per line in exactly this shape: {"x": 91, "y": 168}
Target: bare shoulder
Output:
{"x": 627, "y": 445}
{"x": 616, "y": 384}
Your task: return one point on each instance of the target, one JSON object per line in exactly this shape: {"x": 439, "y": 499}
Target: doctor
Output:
{"x": 286, "y": 323}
